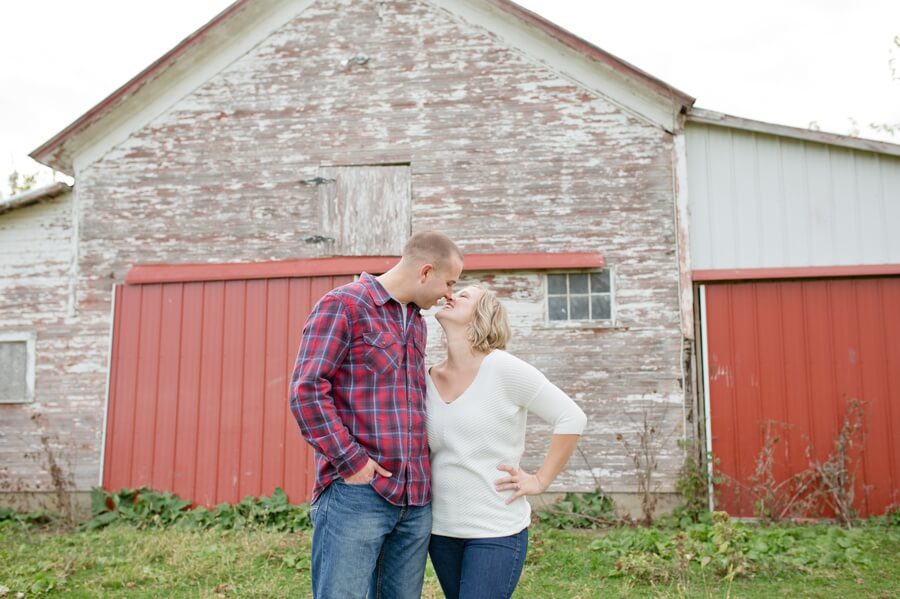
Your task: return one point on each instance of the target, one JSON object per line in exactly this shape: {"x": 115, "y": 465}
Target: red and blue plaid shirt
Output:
{"x": 358, "y": 390}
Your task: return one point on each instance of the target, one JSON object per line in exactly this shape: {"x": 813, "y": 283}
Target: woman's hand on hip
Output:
{"x": 519, "y": 481}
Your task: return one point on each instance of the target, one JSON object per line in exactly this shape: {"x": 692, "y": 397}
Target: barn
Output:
{"x": 795, "y": 260}
{"x": 289, "y": 145}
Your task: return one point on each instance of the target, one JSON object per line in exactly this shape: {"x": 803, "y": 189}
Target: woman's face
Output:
{"x": 460, "y": 309}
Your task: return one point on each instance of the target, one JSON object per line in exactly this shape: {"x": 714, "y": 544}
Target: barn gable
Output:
{"x": 247, "y": 23}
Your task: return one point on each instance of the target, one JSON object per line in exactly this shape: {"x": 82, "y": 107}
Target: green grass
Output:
{"x": 122, "y": 561}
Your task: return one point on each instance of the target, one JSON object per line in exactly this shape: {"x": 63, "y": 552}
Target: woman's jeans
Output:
{"x": 363, "y": 543}
{"x": 479, "y": 568}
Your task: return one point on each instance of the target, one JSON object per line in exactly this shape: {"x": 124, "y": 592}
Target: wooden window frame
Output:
{"x": 580, "y": 323}
{"x": 30, "y": 341}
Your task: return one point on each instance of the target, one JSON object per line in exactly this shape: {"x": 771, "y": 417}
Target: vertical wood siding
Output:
{"x": 794, "y": 353}
{"x": 199, "y": 385}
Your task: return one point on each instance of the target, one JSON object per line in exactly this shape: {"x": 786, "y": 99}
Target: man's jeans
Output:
{"x": 361, "y": 542}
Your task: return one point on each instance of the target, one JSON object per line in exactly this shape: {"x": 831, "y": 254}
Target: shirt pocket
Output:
{"x": 381, "y": 351}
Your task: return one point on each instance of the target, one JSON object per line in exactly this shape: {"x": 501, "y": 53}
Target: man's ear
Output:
{"x": 424, "y": 270}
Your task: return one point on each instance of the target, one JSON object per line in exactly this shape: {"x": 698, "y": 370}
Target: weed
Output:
{"x": 643, "y": 456}
{"x": 692, "y": 484}
{"x": 835, "y": 478}
{"x": 824, "y": 487}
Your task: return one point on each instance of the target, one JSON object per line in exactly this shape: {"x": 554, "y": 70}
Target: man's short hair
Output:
{"x": 432, "y": 247}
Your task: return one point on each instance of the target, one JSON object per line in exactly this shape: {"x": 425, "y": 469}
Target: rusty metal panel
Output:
{"x": 790, "y": 355}
{"x": 199, "y": 385}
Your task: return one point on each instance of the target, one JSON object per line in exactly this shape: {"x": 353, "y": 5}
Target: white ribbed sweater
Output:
{"x": 483, "y": 428}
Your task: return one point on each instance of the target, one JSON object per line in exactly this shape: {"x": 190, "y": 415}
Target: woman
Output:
{"x": 477, "y": 400}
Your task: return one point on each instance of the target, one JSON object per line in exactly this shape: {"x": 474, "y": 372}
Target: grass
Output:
{"x": 122, "y": 561}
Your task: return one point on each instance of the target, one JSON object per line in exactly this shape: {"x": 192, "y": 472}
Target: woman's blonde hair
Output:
{"x": 489, "y": 328}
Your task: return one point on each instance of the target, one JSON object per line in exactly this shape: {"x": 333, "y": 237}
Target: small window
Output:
{"x": 16, "y": 367}
{"x": 579, "y": 296}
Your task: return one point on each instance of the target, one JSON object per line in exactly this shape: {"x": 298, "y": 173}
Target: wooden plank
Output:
{"x": 122, "y": 403}
{"x": 117, "y": 369}
{"x": 230, "y": 425}
{"x": 167, "y": 389}
{"x": 806, "y": 272}
{"x": 877, "y": 469}
{"x": 350, "y": 265}
{"x": 209, "y": 409}
{"x": 253, "y": 389}
{"x": 187, "y": 418}
{"x": 296, "y": 463}
{"x": 145, "y": 395}
{"x": 275, "y": 393}
{"x": 797, "y": 397}
{"x": 890, "y": 310}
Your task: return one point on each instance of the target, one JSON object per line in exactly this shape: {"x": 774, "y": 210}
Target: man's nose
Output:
{"x": 448, "y": 295}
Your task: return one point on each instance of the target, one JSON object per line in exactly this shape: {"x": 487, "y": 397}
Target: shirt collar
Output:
{"x": 377, "y": 290}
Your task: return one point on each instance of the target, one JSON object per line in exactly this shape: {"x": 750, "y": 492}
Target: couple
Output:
{"x": 364, "y": 401}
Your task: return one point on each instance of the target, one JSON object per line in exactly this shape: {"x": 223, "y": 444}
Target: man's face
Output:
{"x": 437, "y": 283}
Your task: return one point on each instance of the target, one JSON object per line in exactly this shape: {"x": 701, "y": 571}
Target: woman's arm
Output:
{"x": 523, "y": 483}
{"x": 553, "y": 406}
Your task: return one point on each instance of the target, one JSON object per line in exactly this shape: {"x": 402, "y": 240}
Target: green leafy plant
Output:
{"x": 692, "y": 484}
{"x": 144, "y": 508}
{"x": 730, "y": 549}
{"x": 39, "y": 518}
{"x": 580, "y": 510}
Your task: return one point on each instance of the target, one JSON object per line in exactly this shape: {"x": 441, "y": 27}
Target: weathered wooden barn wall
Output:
{"x": 504, "y": 156}
{"x": 36, "y": 250}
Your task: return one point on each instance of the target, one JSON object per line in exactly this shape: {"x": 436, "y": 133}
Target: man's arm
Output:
{"x": 326, "y": 339}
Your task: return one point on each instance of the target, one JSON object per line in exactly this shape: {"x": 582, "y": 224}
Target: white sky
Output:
{"x": 786, "y": 61}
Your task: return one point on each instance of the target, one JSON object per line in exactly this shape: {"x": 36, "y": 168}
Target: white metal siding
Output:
{"x": 764, "y": 201}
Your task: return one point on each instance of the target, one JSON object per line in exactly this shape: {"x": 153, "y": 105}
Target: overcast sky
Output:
{"x": 786, "y": 61}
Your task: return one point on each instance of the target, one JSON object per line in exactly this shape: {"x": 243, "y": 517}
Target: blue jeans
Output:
{"x": 479, "y": 568}
{"x": 363, "y": 543}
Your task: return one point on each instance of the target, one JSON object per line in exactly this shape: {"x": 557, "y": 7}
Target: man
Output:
{"x": 358, "y": 394}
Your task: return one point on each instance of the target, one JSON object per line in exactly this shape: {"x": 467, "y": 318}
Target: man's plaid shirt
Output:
{"x": 358, "y": 390}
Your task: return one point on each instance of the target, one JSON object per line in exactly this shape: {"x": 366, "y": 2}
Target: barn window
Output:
{"x": 16, "y": 367}
{"x": 579, "y": 296}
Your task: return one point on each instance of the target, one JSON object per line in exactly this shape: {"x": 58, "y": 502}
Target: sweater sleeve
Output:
{"x": 531, "y": 390}
{"x": 556, "y": 408}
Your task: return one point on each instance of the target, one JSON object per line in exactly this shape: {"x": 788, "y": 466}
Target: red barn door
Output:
{"x": 198, "y": 389}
